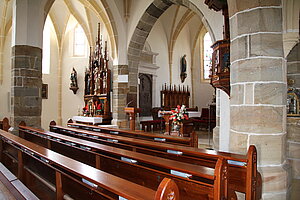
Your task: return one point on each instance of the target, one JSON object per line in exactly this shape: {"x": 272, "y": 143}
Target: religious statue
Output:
{"x": 97, "y": 81}
{"x": 183, "y": 73}
{"x": 73, "y": 78}
{"x": 73, "y": 84}
{"x": 87, "y": 80}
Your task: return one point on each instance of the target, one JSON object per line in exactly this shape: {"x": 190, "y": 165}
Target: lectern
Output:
{"x": 132, "y": 113}
{"x": 166, "y": 115}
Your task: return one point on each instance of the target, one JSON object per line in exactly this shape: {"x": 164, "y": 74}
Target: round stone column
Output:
{"x": 258, "y": 89}
{"x": 27, "y": 33}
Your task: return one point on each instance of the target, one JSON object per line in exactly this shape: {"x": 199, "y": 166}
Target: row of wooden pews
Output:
{"x": 185, "y": 141}
{"x": 193, "y": 181}
{"x": 242, "y": 169}
{"x": 51, "y": 175}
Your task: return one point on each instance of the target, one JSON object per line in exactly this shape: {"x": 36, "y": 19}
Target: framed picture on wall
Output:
{"x": 45, "y": 91}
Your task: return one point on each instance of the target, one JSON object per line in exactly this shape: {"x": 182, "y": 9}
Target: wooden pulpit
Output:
{"x": 132, "y": 111}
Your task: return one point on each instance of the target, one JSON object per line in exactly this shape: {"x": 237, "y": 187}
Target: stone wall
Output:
{"x": 26, "y": 83}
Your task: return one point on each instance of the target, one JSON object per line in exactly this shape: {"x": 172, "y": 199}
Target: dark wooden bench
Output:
{"x": 193, "y": 181}
{"x": 4, "y": 124}
{"x": 53, "y": 176}
{"x": 152, "y": 125}
{"x": 186, "y": 141}
{"x": 243, "y": 174}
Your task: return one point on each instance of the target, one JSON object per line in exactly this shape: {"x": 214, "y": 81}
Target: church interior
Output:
{"x": 151, "y": 99}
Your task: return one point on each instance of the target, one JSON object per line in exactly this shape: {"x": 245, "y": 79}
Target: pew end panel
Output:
{"x": 5, "y": 124}
{"x": 254, "y": 181}
{"x": 221, "y": 179}
{"x": 167, "y": 190}
{"x": 52, "y": 123}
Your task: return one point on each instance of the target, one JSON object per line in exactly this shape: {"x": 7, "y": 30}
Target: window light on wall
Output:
{"x": 46, "y": 47}
{"x": 79, "y": 41}
{"x": 207, "y": 55}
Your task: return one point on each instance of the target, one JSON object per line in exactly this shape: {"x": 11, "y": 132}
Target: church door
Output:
{"x": 145, "y": 94}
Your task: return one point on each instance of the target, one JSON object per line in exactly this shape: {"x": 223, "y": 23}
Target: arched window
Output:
{"x": 79, "y": 41}
{"x": 207, "y": 56}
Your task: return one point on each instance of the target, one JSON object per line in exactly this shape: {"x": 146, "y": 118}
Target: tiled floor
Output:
{"x": 5, "y": 194}
{"x": 204, "y": 139}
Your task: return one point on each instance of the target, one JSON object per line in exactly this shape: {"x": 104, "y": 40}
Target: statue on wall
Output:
{"x": 73, "y": 84}
{"x": 183, "y": 66}
{"x": 87, "y": 80}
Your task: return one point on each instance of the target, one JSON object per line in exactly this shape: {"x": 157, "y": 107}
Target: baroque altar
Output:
{"x": 98, "y": 83}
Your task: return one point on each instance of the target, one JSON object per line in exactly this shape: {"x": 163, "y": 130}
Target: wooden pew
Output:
{"x": 4, "y": 124}
{"x": 152, "y": 125}
{"x": 243, "y": 174}
{"x": 186, "y": 141}
{"x": 193, "y": 181}
{"x": 54, "y": 176}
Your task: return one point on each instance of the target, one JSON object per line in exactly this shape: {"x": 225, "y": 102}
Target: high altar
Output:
{"x": 98, "y": 83}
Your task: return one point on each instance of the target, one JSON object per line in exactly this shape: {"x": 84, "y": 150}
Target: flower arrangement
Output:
{"x": 179, "y": 114}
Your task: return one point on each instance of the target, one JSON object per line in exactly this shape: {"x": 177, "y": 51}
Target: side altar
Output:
{"x": 97, "y": 80}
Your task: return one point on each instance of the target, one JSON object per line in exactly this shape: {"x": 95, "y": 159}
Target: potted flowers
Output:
{"x": 178, "y": 116}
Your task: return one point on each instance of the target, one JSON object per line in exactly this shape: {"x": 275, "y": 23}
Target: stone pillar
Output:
{"x": 26, "y": 85}
{"x": 258, "y": 89}
{"x": 119, "y": 96}
{"x": 293, "y": 122}
{"x": 27, "y": 33}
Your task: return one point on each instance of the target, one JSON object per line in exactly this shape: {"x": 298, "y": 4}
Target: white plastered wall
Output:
{"x": 5, "y": 87}
{"x": 50, "y": 105}
{"x": 203, "y": 91}
{"x": 158, "y": 42}
{"x": 72, "y": 102}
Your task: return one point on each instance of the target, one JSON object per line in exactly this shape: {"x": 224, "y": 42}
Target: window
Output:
{"x": 207, "y": 56}
{"x": 46, "y": 47}
{"x": 79, "y": 41}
